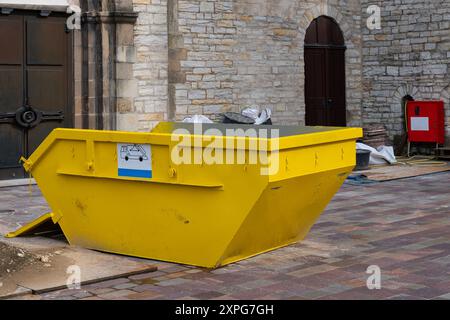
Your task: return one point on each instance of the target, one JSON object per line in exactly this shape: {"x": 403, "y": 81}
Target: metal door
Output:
{"x": 34, "y": 84}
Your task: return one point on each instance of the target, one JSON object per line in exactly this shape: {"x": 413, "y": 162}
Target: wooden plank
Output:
{"x": 94, "y": 267}
{"x": 394, "y": 172}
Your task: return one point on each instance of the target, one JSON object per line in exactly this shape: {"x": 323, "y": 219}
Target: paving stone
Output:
{"x": 115, "y": 294}
{"x": 126, "y": 285}
{"x": 143, "y": 287}
{"x": 111, "y": 283}
{"x": 154, "y": 274}
{"x": 173, "y": 282}
{"x": 100, "y": 291}
{"x": 208, "y": 295}
{"x": 83, "y": 294}
{"x": 145, "y": 295}
{"x": 445, "y": 296}
{"x": 413, "y": 254}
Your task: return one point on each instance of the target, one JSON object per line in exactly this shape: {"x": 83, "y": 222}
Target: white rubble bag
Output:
{"x": 251, "y": 113}
{"x": 198, "y": 118}
{"x": 381, "y": 155}
{"x": 254, "y": 113}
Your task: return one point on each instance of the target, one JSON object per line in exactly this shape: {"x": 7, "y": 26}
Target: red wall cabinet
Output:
{"x": 426, "y": 121}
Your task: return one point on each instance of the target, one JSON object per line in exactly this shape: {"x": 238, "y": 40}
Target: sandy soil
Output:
{"x": 14, "y": 259}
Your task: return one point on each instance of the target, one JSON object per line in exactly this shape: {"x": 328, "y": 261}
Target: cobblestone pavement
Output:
{"x": 401, "y": 226}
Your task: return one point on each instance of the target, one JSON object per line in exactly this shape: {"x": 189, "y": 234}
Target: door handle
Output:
{"x": 28, "y": 117}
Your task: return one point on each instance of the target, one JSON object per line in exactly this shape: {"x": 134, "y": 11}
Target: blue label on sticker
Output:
{"x": 134, "y": 173}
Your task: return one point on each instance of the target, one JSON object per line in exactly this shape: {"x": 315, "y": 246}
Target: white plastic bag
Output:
{"x": 198, "y": 118}
{"x": 251, "y": 113}
{"x": 264, "y": 116}
{"x": 259, "y": 117}
{"x": 382, "y": 155}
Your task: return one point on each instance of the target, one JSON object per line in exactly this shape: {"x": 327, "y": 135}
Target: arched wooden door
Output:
{"x": 325, "y": 74}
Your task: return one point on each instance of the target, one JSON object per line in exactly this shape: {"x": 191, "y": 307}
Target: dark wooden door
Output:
{"x": 35, "y": 60}
{"x": 325, "y": 74}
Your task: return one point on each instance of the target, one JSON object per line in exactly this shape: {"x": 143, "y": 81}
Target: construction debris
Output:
{"x": 44, "y": 258}
{"x": 381, "y": 155}
{"x": 13, "y": 259}
{"x": 198, "y": 118}
{"x": 375, "y": 136}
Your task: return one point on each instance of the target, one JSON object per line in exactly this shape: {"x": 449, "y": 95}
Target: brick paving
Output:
{"x": 402, "y": 226}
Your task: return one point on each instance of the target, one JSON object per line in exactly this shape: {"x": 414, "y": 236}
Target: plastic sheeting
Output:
{"x": 381, "y": 155}
{"x": 259, "y": 118}
{"x": 198, "y": 118}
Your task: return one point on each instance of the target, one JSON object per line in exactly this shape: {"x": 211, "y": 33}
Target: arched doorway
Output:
{"x": 325, "y": 73}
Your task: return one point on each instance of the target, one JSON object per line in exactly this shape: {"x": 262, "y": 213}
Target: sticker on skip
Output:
{"x": 134, "y": 160}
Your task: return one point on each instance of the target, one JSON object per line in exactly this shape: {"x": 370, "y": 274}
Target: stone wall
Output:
{"x": 101, "y": 62}
{"x": 270, "y": 66}
{"x": 225, "y": 55}
{"x": 409, "y": 55}
{"x": 148, "y": 60}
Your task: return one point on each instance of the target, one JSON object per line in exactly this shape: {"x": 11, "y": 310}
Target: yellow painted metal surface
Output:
{"x": 197, "y": 214}
{"x": 31, "y": 226}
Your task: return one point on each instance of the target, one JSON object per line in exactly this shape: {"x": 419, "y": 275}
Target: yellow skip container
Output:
{"x": 166, "y": 195}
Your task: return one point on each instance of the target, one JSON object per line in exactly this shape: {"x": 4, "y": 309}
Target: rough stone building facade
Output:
{"x": 137, "y": 62}
{"x": 408, "y": 56}
{"x": 206, "y": 57}
{"x": 212, "y": 56}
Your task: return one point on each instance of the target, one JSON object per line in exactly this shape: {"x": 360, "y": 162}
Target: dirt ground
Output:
{"x": 14, "y": 259}
{"x": 18, "y": 265}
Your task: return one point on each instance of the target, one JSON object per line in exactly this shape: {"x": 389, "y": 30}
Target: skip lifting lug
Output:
{"x": 27, "y": 164}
